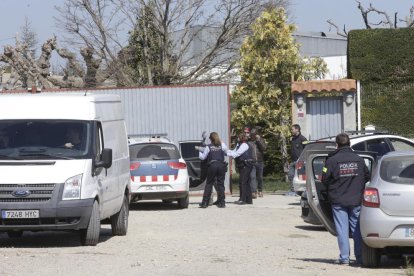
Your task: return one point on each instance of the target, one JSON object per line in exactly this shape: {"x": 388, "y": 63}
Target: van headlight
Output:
{"x": 72, "y": 188}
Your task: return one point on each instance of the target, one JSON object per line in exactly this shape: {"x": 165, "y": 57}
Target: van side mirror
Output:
{"x": 106, "y": 159}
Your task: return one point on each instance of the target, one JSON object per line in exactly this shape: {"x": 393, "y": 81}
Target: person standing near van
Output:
{"x": 297, "y": 144}
{"x": 243, "y": 157}
{"x": 344, "y": 175}
{"x": 214, "y": 153}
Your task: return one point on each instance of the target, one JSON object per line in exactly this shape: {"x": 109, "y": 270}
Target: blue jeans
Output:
{"x": 347, "y": 218}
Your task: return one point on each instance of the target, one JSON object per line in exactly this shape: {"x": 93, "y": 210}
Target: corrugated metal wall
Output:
{"x": 324, "y": 117}
{"x": 183, "y": 112}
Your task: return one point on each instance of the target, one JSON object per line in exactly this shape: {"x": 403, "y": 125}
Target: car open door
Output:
{"x": 197, "y": 169}
{"x": 317, "y": 196}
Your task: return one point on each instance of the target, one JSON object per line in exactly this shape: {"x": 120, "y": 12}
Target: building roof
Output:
{"x": 324, "y": 86}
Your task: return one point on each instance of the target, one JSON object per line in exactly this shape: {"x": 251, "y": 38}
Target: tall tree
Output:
{"x": 144, "y": 54}
{"x": 28, "y": 36}
{"x": 269, "y": 62}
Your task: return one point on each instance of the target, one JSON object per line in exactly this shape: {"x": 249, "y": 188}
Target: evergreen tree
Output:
{"x": 269, "y": 62}
{"x": 146, "y": 50}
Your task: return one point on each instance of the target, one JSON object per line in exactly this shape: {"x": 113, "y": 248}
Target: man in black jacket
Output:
{"x": 297, "y": 144}
{"x": 344, "y": 176}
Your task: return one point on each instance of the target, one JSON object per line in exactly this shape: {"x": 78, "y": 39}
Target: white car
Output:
{"x": 158, "y": 170}
{"x": 370, "y": 142}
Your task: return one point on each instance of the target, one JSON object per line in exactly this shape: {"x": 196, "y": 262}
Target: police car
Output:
{"x": 158, "y": 170}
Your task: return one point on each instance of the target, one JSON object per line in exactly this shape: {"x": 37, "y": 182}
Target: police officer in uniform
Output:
{"x": 243, "y": 157}
{"x": 344, "y": 176}
{"x": 216, "y": 171}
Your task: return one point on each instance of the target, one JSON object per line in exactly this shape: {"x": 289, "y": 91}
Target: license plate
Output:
{"x": 19, "y": 214}
{"x": 409, "y": 232}
{"x": 155, "y": 188}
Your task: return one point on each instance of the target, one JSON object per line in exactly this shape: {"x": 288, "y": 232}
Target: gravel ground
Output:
{"x": 266, "y": 238}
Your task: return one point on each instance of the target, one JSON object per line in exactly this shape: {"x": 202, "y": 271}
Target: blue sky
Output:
{"x": 309, "y": 15}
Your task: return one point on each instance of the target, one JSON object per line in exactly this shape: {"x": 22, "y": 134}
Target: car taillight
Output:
{"x": 371, "y": 198}
{"x": 134, "y": 166}
{"x": 177, "y": 165}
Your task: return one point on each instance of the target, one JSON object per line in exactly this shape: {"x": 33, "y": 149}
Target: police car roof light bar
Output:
{"x": 152, "y": 135}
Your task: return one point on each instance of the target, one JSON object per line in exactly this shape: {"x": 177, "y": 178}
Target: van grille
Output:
{"x": 37, "y": 192}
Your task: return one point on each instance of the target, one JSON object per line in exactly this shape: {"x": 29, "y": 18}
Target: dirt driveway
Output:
{"x": 266, "y": 238}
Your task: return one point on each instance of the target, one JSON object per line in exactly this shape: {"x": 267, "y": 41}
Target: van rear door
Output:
{"x": 317, "y": 196}
{"x": 197, "y": 169}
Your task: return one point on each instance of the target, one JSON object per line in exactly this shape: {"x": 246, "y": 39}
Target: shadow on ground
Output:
{"x": 386, "y": 263}
{"x": 311, "y": 227}
{"x": 49, "y": 239}
{"x": 154, "y": 206}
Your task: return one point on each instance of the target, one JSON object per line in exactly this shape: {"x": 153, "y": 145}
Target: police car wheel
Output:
{"x": 183, "y": 202}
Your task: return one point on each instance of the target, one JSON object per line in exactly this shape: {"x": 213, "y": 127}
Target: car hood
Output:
{"x": 44, "y": 171}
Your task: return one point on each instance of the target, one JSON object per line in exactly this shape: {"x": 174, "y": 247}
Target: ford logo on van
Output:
{"x": 21, "y": 193}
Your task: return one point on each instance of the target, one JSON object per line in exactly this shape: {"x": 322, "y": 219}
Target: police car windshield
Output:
{"x": 44, "y": 139}
{"x": 153, "y": 151}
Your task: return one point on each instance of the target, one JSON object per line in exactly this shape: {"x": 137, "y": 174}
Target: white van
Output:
{"x": 64, "y": 164}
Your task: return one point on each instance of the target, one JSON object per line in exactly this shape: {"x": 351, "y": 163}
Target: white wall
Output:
{"x": 336, "y": 66}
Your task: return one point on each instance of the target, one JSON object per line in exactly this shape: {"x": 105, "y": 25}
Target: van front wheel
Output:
{"x": 90, "y": 235}
{"x": 119, "y": 221}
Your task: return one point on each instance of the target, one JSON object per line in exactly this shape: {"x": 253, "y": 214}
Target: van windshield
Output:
{"x": 44, "y": 139}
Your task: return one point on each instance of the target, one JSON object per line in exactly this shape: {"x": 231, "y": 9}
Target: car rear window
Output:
{"x": 399, "y": 169}
{"x": 188, "y": 149}
{"x": 153, "y": 151}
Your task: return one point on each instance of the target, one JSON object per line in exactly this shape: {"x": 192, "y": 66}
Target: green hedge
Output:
{"x": 381, "y": 55}
{"x": 389, "y": 107}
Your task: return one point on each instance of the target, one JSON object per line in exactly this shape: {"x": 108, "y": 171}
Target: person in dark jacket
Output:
{"x": 258, "y": 146}
{"x": 344, "y": 175}
{"x": 243, "y": 157}
{"x": 297, "y": 144}
{"x": 214, "y": 153}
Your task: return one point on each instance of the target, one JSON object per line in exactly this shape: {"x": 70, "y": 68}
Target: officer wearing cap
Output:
{"x": 214, "y": 153}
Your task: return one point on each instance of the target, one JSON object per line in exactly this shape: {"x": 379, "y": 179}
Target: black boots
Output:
{"x": 219, "y": 204}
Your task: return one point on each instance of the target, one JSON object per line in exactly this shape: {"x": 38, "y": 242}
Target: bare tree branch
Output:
{"x": 338, "y": 32}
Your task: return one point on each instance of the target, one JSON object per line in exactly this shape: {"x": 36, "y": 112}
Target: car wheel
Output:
{"x": 119, "y": 221}
{"x": 183, "y": 202}
{"x": 15, "y": 234}
{"x": 371, "y": 257}
{"x": 90, "y": 235}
